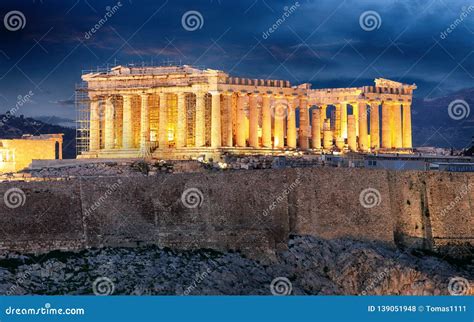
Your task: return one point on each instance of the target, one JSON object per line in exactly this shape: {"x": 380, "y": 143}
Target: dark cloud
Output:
{"x": 320, "y": 42}
{"x": 68, "y": 102}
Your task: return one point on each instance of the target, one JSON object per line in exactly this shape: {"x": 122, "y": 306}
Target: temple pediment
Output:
{"x": 383, "y": 82}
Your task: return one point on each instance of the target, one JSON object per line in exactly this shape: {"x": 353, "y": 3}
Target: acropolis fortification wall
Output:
{"x": 251, "y": 211}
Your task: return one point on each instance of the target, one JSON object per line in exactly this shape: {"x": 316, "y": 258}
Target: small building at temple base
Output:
{"x": 17, "y": 154}
{"x": 182, "y": 112}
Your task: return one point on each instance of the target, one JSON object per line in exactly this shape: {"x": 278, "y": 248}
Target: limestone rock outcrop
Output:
{"x": 310, "y": 265}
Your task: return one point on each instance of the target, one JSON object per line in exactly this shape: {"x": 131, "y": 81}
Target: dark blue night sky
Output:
{"x": 321, "y": 42}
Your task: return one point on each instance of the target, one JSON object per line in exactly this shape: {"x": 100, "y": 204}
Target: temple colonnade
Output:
{"x": 217, "y": 119}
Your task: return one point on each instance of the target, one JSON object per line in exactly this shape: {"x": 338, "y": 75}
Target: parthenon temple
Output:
{"x": 180, "y": 112}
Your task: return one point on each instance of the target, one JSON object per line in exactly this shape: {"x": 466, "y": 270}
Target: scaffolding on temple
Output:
{"x": 82, "y": 104}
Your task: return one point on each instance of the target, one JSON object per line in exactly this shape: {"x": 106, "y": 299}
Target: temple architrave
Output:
{"x": 180, "y": 112}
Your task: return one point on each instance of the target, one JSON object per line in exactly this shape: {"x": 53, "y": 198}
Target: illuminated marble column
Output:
{"x": 267, "y": 121}
{"x": 338, "y": 138}
{"x": 316, "y": 129}
{"x": 227, "y": 100}
{"x": 280, "y": 105}
{"x": 181, "y": 120}
{"x": 337, "y": 121}
{"x": 216, "y": 138}
{"x": 355, "y": 112}
{"x": 323, "y": 117}
{"x": 363, "y": 127}
{"x": 397, "y": 125}
{"x": 163, "y": 125}
{"x": 340, "y": 143}
{"x": 109, "y": 141}
{"x": 351, "y": 133}
{"x": 241, "y": 122}
{"x": 291, "y": 123}
{"x": 94, "y": 132}
{"x": 327, "y": 135}
{"x": 253, "y": 121}
{"x": 407, "y": 140}
{"x": 304, "y": 124}
{"x": 344, "y": 120}
{"x": 127, "y": 133}
{"x": 144, "y": 122}
{"x": 200, "y": 128}
{"x": 374, "y": 125}
{"x": 386, "y": 130}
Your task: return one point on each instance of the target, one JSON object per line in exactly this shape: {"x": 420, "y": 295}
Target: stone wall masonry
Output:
{"x": 250, "y": 211}
{"x": 433, "y": 210}
{"x": 51, "y": 217}
{"x": 327, "y": 204}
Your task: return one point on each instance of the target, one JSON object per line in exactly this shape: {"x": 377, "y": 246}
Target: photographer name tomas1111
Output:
{"x": 414, "y": 308}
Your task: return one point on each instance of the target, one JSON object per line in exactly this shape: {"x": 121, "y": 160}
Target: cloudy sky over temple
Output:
{"x": 326, "y": 43}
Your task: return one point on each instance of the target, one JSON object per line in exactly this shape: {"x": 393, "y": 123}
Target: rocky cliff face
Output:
{"x": 309, "y": 266}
